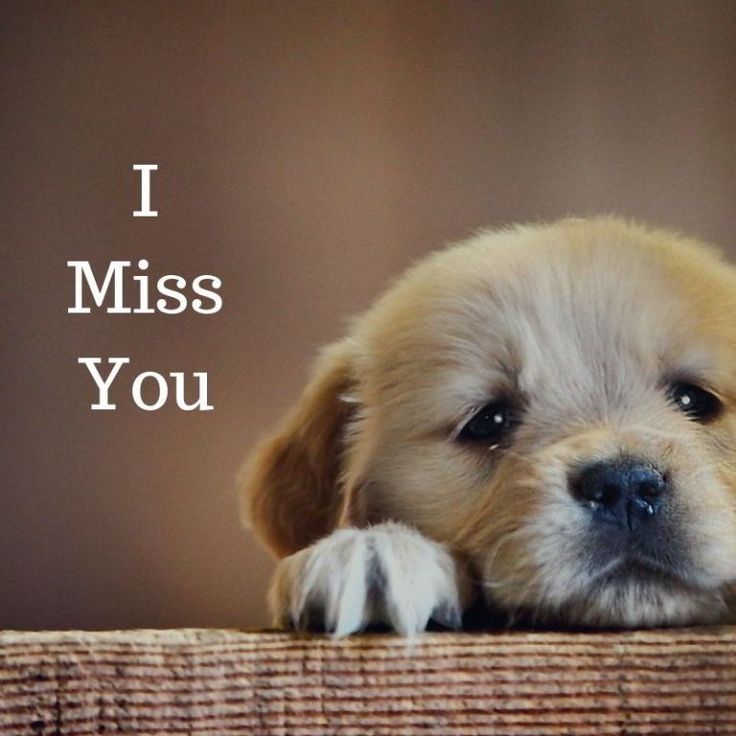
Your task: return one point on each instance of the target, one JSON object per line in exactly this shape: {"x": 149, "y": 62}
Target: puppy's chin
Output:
{"x": 632, "y": 602}
{"x": 625, "y": 595}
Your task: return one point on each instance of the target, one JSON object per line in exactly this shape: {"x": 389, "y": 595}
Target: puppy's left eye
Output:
{"x": 489, "y": 424}
{"x": 695, "y": 401}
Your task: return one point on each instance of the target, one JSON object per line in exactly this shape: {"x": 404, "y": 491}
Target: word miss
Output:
{"x": 170, "y": 289}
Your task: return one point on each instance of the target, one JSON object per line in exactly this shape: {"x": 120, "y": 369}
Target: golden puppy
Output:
{"x": 543, "y": 417}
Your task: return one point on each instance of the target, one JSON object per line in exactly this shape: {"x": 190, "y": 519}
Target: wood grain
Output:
{"x": 191, "y": 681}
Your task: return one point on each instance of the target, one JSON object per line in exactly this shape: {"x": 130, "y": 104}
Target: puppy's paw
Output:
{"x": 387, "y": 574}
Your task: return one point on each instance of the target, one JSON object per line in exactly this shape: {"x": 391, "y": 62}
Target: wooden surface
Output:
{"x": 229, "y": 682}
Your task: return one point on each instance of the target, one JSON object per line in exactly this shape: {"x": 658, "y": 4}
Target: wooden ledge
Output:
{"x": 193, "y": 681}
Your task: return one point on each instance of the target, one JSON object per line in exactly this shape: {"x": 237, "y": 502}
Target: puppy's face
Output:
{"x": 557, "y": 405}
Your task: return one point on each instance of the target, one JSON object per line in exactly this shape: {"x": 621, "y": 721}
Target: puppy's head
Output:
{"x": 556, "y": 403}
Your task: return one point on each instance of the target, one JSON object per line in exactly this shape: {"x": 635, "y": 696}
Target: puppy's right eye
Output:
{"x": 491, "y": 423}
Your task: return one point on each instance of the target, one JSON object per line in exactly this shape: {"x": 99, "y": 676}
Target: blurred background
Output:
{"x": 307, "y": 152}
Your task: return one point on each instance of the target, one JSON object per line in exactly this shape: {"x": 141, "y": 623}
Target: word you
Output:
{"x": 168, "y": 294}
{"x": 160, "y": 386}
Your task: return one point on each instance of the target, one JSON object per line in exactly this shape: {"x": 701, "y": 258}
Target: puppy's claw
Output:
{"x": 448, "y": 615}
{"x": 386, "y": 574}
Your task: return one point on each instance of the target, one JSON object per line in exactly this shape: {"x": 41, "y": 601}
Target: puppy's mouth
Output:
{"x": 642, "y": 588}
{"x": 645, "y": 571}
{"x": 627, "y": 586}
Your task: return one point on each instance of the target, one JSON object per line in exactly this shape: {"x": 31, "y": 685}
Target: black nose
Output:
{"x": 624, "y": 491}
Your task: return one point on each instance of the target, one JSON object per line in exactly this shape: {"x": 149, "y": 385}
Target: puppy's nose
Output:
{"x": 624, "y": 491}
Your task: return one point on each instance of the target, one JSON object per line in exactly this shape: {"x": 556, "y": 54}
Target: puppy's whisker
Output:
{"x": 518, "y": 456}
{"x": 522, "y": 602}
{"x": 608, "y": 568}
{"x": 649, "y": 431}
{"x": 503, "y": 540}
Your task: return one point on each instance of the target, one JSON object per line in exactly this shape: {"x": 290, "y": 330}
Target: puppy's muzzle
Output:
{"x": 625, "y": 492}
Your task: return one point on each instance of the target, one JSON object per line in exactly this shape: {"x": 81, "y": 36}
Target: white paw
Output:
{"x": 387, "y": 574}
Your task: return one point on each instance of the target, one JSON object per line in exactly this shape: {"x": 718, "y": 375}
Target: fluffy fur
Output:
{"x": 381, "y": 514}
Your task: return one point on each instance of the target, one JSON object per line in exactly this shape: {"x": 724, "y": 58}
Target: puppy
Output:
{"x": 540, "y": 417}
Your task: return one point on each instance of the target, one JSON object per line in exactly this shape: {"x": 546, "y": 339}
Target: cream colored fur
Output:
{"x": 586, "y": 321}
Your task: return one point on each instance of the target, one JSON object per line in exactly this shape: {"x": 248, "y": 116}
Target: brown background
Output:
{"x": 307, "y": 152}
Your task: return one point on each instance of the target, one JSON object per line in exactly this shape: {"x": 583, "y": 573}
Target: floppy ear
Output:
{"x": 290, "y": 491}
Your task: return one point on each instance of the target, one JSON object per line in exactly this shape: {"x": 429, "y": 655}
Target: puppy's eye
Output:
{"x": 491, "y": 423}
{"x": 696, "y": 402}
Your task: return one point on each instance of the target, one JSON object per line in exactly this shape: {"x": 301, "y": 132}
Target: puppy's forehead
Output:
{"x": 586, "y": 310}
{"x": 581, "y": 322}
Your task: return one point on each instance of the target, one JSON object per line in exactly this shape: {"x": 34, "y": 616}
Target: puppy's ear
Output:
{"x": 290, "y": 491}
